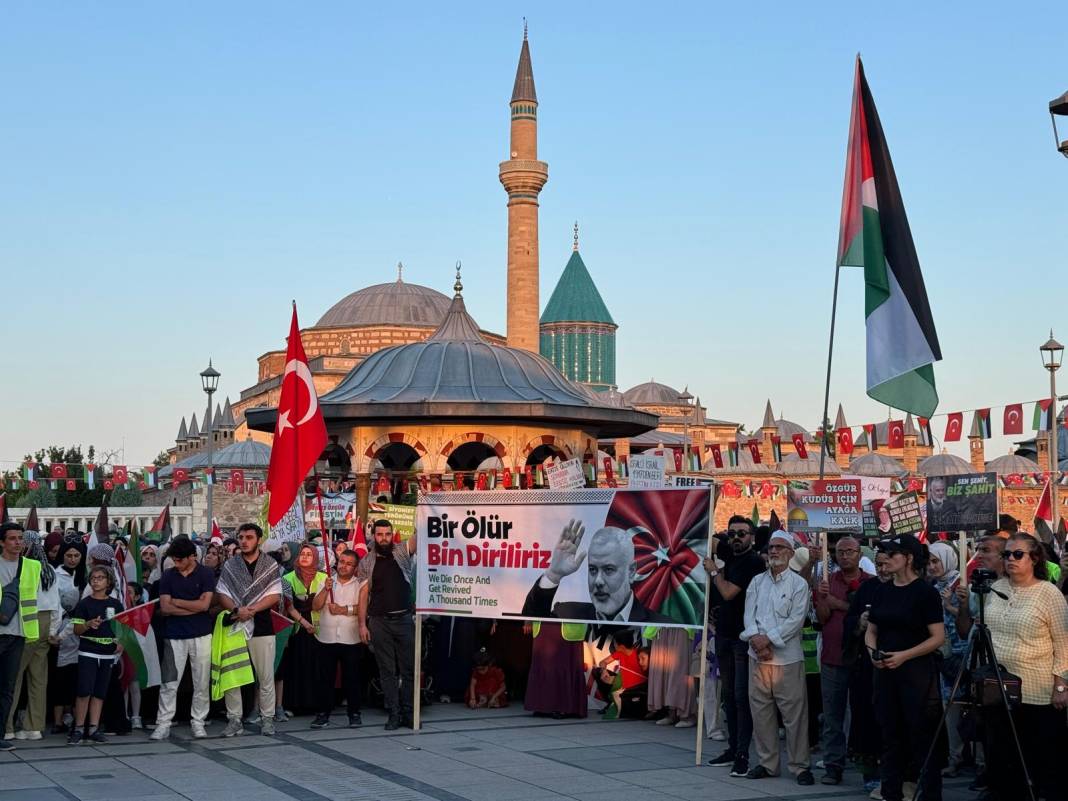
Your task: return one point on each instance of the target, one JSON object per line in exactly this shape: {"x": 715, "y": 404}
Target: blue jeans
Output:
{"x": 733, "y": 657}
{"x": 834, "y": 685}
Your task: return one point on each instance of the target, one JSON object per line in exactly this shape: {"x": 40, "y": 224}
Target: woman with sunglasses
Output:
{"x": 1028, "y": 621}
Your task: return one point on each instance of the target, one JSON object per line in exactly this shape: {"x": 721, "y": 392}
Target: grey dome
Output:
{"x": 785, "y": 430}
{"x": 1013, "y": 464}
{"x": 455, "y": 373}
{"x": 246, "y": 454}
{"x": 395, "y": 303}
{"x": 876, "y": 464}
{"x": 794, "y": 465}
{"x": 944, "y": 464}
{"x": 652, "y": 393}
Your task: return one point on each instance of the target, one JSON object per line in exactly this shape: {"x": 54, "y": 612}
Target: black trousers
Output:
{"x": 1043, "y": 735}
{"x": 393, "y": 641}
{"x": 733, "y": 659}
{"x": 10, "y": 655}
{"x": 908, "y": 706}
{"x": 348, "y": 656}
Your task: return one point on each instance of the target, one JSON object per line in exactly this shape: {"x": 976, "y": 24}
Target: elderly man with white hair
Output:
{"x": 776, "y": 606}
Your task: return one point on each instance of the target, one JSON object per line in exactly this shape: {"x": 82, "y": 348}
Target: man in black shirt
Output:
{"x": 741, "y": 565}
{"x": 386, "y": 619}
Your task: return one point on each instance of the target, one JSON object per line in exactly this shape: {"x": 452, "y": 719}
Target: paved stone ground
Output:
{"x": 460, "y": 754}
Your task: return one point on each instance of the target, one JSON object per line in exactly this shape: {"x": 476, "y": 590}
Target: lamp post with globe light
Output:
{"x": 1058, "y": 107}
{"x": 209, "y": 380}
{"x": 1052, "y": 354}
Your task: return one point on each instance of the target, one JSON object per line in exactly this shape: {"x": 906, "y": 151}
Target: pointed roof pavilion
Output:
{"x": 194, "y": 429}
{"x": 769, "y": 417}
{"x": 840, "y": 420}
{"x": 183, "y": 432}
{"x": 575, "y": 298}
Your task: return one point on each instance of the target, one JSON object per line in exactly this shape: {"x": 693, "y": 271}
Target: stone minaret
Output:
{"x": 523, "y": 176}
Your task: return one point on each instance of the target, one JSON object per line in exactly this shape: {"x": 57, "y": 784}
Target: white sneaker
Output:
{"x": 160, "y": 733}
{"x": 135, "y": 722}
{"x": 233, "y": 728}
{"x": 267, "y": 727}
{"x": 10, "y": 735}
{"x": 718, "y": 736}
{"x": 199, "y": 732}
{"x": 667, "y": 720}
{"x": 31, "y": 735}
{"x": 686, "y": 723}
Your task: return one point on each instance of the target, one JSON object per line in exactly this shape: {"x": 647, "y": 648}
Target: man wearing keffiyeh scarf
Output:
{"x": 249, "y": 586}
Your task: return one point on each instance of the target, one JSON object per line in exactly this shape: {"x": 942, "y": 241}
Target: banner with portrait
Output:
{"x": 966, "y": 502}
{"x": 589, "y": 556}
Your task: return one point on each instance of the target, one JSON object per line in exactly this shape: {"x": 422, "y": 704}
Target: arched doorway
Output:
{"x": 543, "y": 452}
{"x": 466, "y": 459}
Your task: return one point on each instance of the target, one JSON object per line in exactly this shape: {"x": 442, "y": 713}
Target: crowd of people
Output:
{"x": 858, "y": 661}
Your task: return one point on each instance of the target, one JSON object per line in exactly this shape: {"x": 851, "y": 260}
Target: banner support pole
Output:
{"x": 702, "y": 671}
{"x": 827, "y": 384}
{"x": 417, "y": 676}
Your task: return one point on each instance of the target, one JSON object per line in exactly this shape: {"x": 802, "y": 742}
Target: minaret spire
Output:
{"x": 575, "y": 248}
{"x": 523, "y": 177}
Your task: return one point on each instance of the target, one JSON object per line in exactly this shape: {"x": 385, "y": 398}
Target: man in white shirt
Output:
{"x": 776, "y": 606}
{"x": 339, "y": 635}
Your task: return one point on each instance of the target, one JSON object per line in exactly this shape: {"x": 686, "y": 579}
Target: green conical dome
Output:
{"x": 576, "y": 298}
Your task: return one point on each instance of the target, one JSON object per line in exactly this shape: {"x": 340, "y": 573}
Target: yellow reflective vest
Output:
{"x": 29, "y": 583}
{"x": 231, "y": 665}
{"x": 571, "y": 632}
{"x": 302, "y": 592}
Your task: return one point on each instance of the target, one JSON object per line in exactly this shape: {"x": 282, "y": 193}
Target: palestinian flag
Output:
{"x": 101, "y": 526}
{"x": 1043, "y": 418}
{"x": 161, "y": 529}
{"x": 901, "y": 341}
{"x": 776, "y": 449}
{"x": 283, "y": 630}
{"x": 754, "y": 518}
{"x": 133, "y": 542}
{"x": 4, "y": 516}
{"x": 134, "y": 632}
{"x": 982, "y": 423}
{"x": 732, "y": 453}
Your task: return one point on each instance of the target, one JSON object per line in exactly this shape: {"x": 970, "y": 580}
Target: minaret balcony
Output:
{"x": 524, "y": 175}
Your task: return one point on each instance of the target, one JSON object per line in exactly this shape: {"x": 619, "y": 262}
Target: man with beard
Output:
{"x": 610, "y": 573}
{"x": 386, "y": 621}
{"x": 776, "y": 606}
{"x": 741, "y": 565}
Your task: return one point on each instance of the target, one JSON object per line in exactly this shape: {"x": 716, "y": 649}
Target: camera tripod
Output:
{"x": 980, "y": 653}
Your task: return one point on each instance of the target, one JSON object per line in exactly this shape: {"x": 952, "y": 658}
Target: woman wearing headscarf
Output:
{"x": 52, "y": 545}
{"x": 71, "y": 569}
{"x": 299, "y": 663}
{"x": 943, "y": 572}
{"x": 33, "y": 665}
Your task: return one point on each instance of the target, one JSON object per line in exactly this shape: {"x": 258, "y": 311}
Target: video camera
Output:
{"x": 982, "y": 580}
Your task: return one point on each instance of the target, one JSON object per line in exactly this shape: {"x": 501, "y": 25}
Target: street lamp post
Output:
{"x": 1058, "y": 107}
{"x": 685, "y": 398}
{"x": 1052, "y": 353}
{"x": 209, "y": 380}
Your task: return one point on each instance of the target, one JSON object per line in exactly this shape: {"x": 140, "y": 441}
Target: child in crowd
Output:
{"x": 63, "y": 681}
{"x": 623, "y": 672}
{"x": 96, "y": 654}
{"x": 487, "y": 687}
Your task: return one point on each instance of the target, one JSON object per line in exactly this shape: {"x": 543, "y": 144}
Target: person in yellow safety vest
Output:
{"x": 301, "y": 658}
{"x": 230, "y": 663}
{"x": 18, "y": 609}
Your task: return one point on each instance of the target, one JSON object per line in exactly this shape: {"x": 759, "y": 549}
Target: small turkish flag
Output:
{"x": 1013, "y": 422}
{"x": 424, "y": 483}
{"x": 382, "y": 486}
{"x": 181, "y": 475}
{"x": 717, "y": 455}
{"x": 609, "y": 472}
{"x": 119, "y": 474}
{"x": 238, "y": 479}
{"x": 677, "y": 455}
{"x": 481, "y": 483}
{"x": 845, "y": 440}
{"x": 35, "y": 484}
{"x": 299, "y": 432}
{"x": 59, "y": 471}
{"x": 799, "y": 445}
{"x": 358, "y": 542}
{"x": 71, "y": 485}
{"x": 954, "y": 426}
{"x": 506, "y": 479}
{"x": 109, "y": 484}
{"x": 754, "y": 450}
{"x": 895, "y": 433}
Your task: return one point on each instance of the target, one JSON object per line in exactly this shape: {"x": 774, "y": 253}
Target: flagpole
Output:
{"x": 827, "y": 385}
{"x": 322, "y": 528}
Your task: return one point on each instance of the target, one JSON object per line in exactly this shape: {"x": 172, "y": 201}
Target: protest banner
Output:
{"x": 966, "y": 502}
{"x": 335, "y": 509}
{"x": 904, "y": 513}
{"x": 290, "y": 528}
{"x": 583, "y": 556}
{"x": 688, "y": 482}
{"x": 565, "y": 475}
{"x": 401, "y": 516}
{"x": 646, "y": 471}
{"x": 829, "y": 505}
{"x": 874, "y": 491}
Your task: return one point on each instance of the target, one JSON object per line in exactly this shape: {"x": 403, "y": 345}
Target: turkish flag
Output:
{"x": 181, "y": 475}
{"x": 895, "y": 433}
{"x": 506, "y": 479}
{"x": 799, "y": 445}
{"x": 424, "y": 482}
{"x": 72, "y": 485}
{"x": 108, "y": 484}
{"x": 119, "y": 474}
{"x": 845, "y": 440}
{"x": 216, "y": 532}
{"x": 480, "y": 483}
{"x": 59, "y": 471}
{"x": 237, "y": 478}
{"x": 754, "y": 450}
{"x": 299, "y": 432}
{"x": 609, "y": 472}
{"x": 382, "y": 486}
{"x": 717, "y": 455}
{"x": 677, "y": 455}
{"x": 358, "y": 542}
{"x": 954, "y": 426}
{"x": 1013, "y": 421}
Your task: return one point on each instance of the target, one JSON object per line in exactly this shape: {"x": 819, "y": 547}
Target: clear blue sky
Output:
{"x": 174, "y": 173}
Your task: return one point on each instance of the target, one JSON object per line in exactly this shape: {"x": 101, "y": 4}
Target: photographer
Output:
{"x": 1028, "y": 622}
{"x": 905, "y": 629}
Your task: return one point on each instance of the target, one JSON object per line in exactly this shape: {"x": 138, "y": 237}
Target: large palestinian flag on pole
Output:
{"x": 875, "y": 235}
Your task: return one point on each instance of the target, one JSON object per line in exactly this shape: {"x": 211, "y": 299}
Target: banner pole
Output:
{"x": 322, "y": 528}
{"x": 827, "y": 384}
{"x": 963, "y": 558}
{"x": 702, "y": 671}
{"x": 417, "y": 676}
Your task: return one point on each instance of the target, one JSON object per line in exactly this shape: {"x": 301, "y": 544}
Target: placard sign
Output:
{"x": 565, "y": 475}
{"x": 904, "y": 512}
{"x": 874, "y": 491}
{"x": 646, "y": 471}
{"x": 962, "y": 503}
{"x": 829, "y": 505}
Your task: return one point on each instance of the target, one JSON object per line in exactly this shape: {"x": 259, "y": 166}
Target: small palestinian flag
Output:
{"x": 283, "y": 630}
{"x": 134, "y": 631}
{"x": 925, "y": 429}
{"x": 1043, "y": 417}
{"x": 776, "y": 448}
{"x": 90, "y": 476}
{"x": 732, "y": 453}
{"x": 873, "y": 441}
{"x": 902, "y": 344}
{"x": 982, "y": 421}
{"x": 150, "y": 475}
{"x": 27, "y": 470}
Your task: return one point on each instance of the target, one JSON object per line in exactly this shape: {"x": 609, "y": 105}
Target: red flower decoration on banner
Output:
{"x": 668, "y": 529}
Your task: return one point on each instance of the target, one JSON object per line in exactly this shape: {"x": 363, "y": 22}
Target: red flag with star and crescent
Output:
{"x": 299, "y": 432}
{"x": 954, "y": 424}
{"x": 1013, "y": 421}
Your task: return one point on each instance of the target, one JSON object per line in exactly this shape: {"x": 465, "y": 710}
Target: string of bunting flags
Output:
{"x": 71, "y": 477}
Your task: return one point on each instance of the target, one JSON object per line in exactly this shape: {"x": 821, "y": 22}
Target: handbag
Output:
{"x": 9, "y": 601}
{"x": 985, "y": 691}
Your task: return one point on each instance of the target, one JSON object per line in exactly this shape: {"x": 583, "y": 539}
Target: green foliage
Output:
{"x": 43, "y": 497}
{"x": 162, "y": 459}
{"x": 121, "y": 496}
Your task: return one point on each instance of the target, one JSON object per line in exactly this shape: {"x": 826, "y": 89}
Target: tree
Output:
{"x": 43, "y": 497}
{"x": 162, "y": 459}
{"x": 121, "y": 496}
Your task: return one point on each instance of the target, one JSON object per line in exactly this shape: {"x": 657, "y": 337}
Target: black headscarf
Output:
{"x": 75, "y": 544}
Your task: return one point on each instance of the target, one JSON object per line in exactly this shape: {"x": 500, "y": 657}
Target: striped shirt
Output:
{"x": 1029, "y": 632}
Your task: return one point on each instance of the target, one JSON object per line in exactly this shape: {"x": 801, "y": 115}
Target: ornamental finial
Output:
{"x": 458, "y": 287}
{"x": 576, "y": 236}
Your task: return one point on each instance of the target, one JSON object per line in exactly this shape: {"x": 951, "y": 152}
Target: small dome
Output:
{"x": 1012, "y": 465}
{"x": 395, "y": 303}
{"x": 944, "y": 464}
{"x": 793, "y": 465}
{"x": 246, "y": 454}
{"x": 876, "y": 464}
{"x": 652, "y": 394}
